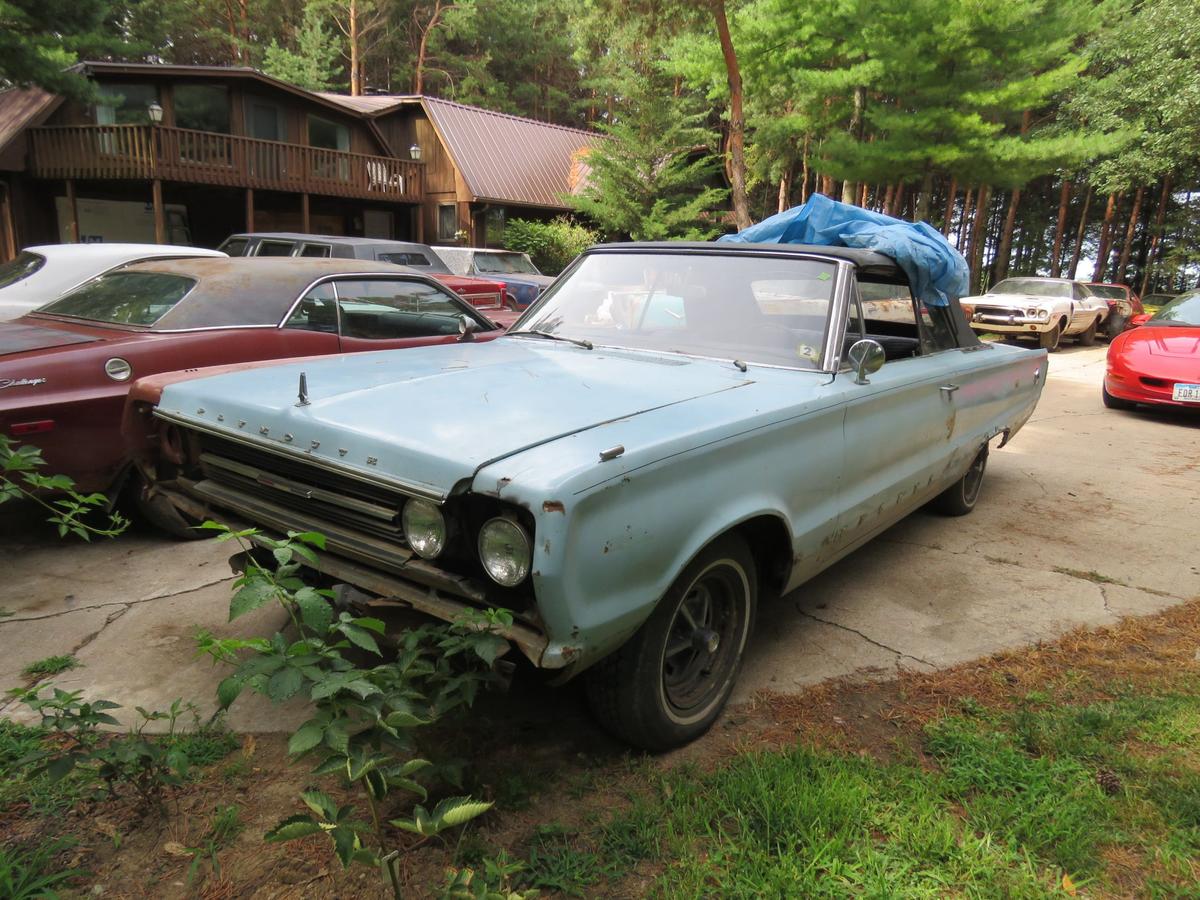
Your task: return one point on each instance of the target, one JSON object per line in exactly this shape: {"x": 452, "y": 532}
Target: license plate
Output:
{"x": 1188, "y": 393}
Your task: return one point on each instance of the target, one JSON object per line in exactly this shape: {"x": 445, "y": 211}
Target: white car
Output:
{"x": 38, "y": 275}
{"x": 1047, "y": 309}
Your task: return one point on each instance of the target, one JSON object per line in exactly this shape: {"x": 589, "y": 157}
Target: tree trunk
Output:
{"x": 849, "y": 188}
{"x": 1134, "y": 214}
{"x": 1006, "y": 235}
{"x": 785, "y": 187}
{"x": 951, "y": 196}
{"x": 1105, "y": 238}
{"x": 1064, "y": 200}
{"x": 968, "y": 207}
{"x": 897, "y": 201}
{"x": 737, "y": 120}
{"x": 827, "y": 185}
{"x": 355, "y": 60}
{"x": 887, "y": 199}
{"x": 978, "y": 233}
{"x": 1154, "y": 241}
{"x": 921, "y": 210}
{"x": 804, "y": 172}
{"x": 1079, "y": 233}
{"x": 862, "y": 195}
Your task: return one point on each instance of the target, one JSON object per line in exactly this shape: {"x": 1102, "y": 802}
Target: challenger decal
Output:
{"x": 20, "y": 382}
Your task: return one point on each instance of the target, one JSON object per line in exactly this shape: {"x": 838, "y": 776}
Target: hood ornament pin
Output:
{"x": 303, "y": 401}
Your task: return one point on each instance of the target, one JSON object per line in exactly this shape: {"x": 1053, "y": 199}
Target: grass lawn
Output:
{"x": 1069, "y": 768}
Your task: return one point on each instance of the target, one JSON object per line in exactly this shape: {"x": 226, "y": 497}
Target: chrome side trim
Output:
{"x": 371, "y": 478}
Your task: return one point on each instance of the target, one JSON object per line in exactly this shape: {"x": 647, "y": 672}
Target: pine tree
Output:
{"x": 315, "y": 63}
{"x": 652, "y": 179}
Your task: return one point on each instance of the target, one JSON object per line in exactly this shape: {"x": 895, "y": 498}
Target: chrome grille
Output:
{"x": 295, "y": 484}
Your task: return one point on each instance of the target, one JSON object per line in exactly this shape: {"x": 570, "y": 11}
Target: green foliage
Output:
{"x": 496, "y": 882}
{"x": 316, "y": 61}
{"x": 51, "y": 665}
{"x": 18, "y": 788}
{"x": 19, "y": 478}
{"x": 40, "y": 39}
{"x": 224, "y": 826}
{"x": 655, "y": 177}
{"x": 143, "y": 763}
{"x": 366, "y": 715}
{"x": 551, "y": 245}
{"x": 34, "y": 874}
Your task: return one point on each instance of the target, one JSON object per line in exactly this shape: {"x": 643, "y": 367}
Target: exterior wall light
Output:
{"x": 415, "y": 152}
{"x": 155, "y": 112}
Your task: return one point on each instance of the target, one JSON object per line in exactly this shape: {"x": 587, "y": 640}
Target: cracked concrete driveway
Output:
{"x": 1088, "y": 516}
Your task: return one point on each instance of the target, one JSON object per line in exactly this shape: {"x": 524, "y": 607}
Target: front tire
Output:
{"x": 1115, "y": 402}
{"x": 666, "y": 686}
{"x": 1048, "y": 340}
{"x": 960, "y": 498}
{"x": 162, "y": 514}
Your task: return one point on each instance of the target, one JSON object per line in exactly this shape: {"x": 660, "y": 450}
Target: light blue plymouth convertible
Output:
{"x": 671, "y": 434}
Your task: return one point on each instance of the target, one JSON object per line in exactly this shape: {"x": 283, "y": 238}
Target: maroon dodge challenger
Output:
{"x": 65, "y": 369}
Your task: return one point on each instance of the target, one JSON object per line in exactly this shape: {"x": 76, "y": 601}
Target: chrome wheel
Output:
{"x": 703, "y": 644}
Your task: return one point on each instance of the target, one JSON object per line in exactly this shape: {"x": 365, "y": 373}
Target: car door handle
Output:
{"x": 948, "y": 389}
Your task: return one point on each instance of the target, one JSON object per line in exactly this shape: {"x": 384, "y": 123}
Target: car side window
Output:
{"x": 889, "y": 316}
{"x": 381, "y": 309}
{"x": 321, "y": 251}
{"x": 316, "y": 311}
{"x": 275, "y": 248}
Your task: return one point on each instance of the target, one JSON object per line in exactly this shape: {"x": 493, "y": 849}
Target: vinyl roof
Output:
{"x": 503, "y": 158}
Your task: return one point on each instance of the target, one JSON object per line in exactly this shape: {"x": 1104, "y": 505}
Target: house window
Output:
{"x": 447, "y": 221}
{"x": 264, "y": 120}
{"x": 125, "y": 104}
{"x": 203, "y": 107}
{"x": 328, "y": 135}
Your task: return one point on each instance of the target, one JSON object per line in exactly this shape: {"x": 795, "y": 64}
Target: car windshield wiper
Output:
{"x": 578, "y": 342}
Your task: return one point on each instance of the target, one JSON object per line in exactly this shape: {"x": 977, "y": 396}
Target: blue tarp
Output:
{"x": 936, "y": 271}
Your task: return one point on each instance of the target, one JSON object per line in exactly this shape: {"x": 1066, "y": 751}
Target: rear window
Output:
{"x": 234, "y": 246}
{"x": 124, "y": 298}
{"x": 22, "y": 266}
{"x": 318, "y": 251}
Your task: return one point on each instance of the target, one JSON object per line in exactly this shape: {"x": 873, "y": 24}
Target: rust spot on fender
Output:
{"x": 554, "y": 506}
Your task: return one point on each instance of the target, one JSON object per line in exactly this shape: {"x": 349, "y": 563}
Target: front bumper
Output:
{"x": 1145, "y": 389}
{"x": 1009, "y": 324}
{"x": 413, "y": 583}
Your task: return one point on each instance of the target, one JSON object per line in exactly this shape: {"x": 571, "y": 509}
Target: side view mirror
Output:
{"x": 866, "y": 358}
{"x": 467, "y": 328}
{"x": 1140, "y": 319}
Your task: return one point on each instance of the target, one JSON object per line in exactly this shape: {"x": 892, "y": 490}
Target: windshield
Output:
{"x": 723, "y": 305}
{"x": 504, "y": 264}
{"x": 1035, "y": 286}
{"x": 21, "y": 266}
{"x": 1183, "y": 310}
{"x": 124, "y": 298}
{"x": 1107, "y": 291}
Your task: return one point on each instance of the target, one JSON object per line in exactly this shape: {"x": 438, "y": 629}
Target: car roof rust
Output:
{"x": 233, "y": 292}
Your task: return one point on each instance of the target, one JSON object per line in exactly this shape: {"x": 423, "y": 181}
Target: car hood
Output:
{"x": 425, "y": 419}
{"x": 1172, "y": 341}
{"x": 522, "y": 278}
{"x": 1022, "y": 301}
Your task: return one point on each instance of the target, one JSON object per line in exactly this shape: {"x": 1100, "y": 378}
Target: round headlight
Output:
{"x": 505, "y": 551}
{"x": 118, "y": 369}
{"x": 1044, "y": 313}
{"x": 424, "y": 527}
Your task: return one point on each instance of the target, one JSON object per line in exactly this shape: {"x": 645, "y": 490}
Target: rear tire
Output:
{"x": 1115, "y": 402}
{"x": 960, "y": 498}
{"x": 1048, "y": 340}
{"x": 1088, "y": 337}
{"x": 666, "y": 686}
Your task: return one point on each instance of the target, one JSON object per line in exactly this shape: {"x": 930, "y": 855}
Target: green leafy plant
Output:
{"x": 20, "y": 478}
{"x": 51, "y": 665}
{"x": 495, "y": 882}
{"x": 31, "y": 874}
{"x": 366, "y": 714}
{"x": 146, "y": 764}
{"x": 226, "y": 824}
{"x": 551, "y": 245}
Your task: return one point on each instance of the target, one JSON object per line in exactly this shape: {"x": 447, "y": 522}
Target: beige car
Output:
{"x": 1045, "y": 309}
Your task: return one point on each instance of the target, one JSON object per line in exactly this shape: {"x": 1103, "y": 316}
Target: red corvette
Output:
{"x": 65, "y": 369}
{"x": 1158, "y": 363}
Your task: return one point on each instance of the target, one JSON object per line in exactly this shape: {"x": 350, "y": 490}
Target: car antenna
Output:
{"x": 303, "y": 395}
{"x": 741, "y": 365}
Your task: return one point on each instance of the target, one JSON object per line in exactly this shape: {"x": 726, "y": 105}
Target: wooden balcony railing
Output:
{"x": 202, "y": 157}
